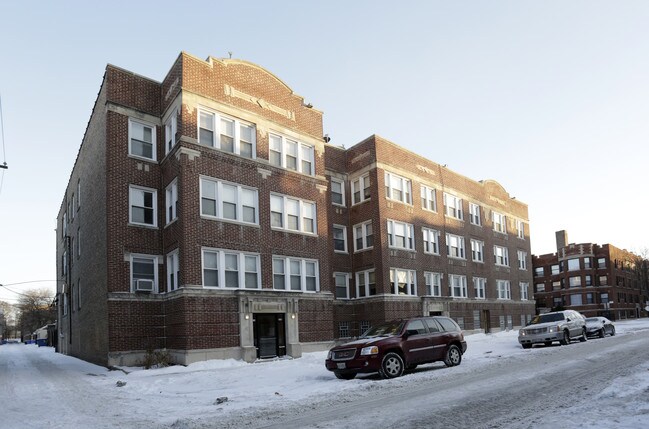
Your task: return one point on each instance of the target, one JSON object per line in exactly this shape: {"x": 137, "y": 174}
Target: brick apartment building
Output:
{"x": 592, "y": 279}
{"x": 206, "y": 215}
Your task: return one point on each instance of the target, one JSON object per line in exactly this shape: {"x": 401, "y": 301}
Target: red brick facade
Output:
{"x": 105, "y": 317}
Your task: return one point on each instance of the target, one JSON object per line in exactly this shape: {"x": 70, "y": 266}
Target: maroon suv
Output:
{"x": 391, "y": 347}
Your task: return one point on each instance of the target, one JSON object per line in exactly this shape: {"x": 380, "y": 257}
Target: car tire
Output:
{"x": 566, "y": 339}
{"x": 344, "y": 375}
{"x": 602, "y": 333}
{"x": 612, "y": 331}
{"x": 527, "y": 346}
{"x": 548, "y": 343}
{"x": 453, "y": 356}
{"x": 584, "y": 336}
{"x": 392, "y": 366}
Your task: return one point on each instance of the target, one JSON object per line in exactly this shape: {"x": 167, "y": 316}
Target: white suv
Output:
{"x": 559, "y": 326}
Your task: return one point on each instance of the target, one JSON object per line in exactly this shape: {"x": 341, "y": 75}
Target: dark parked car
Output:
{"x": 392, "y": 347}
{"x": 599, "y": 326}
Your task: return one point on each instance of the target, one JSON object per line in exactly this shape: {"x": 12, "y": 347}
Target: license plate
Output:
{"x": 341, "y": 365}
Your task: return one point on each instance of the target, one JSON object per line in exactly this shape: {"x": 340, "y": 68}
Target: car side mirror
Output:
{"x": 568, "y": 319}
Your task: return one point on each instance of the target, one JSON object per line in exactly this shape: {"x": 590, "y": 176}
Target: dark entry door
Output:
{"x": 486, "y": 321}
{"x": 270, "y": 335}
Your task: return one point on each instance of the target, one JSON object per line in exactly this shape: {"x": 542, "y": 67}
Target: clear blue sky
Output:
{"x": 551, "y": 98}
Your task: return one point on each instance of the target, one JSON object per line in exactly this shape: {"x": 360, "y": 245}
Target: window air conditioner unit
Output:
{"x": 143, "y": 285}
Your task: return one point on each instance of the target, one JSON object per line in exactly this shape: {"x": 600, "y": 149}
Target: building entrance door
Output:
{"x": 486, "y": 321}
{"x": 270, "y": 335}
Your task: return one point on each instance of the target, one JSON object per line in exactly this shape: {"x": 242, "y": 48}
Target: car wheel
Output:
{"x": 548, "y": 343}
{"x": 566, "y": 338}
{"x": 527, "y": 346}
{"x": 453, "y": 356}
{"x": 584, "y": 336}
{"x": 612, "y": 331}
{"x": 344, "y": 375}
{"x": 392, "y": 366}
{"x": 602, "y": 333}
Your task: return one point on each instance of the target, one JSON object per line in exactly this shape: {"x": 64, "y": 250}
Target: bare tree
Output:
{"x": 35, "y": 310}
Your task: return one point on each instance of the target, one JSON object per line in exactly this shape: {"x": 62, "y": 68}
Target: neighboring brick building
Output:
{"x": 594, "y": 280}
{"x": 205, "y": 216}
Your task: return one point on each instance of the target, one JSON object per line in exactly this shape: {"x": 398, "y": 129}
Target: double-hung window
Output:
{"x": 292, "y": 214}
{"x": 361, "y": 189}
{"x": 337, "y": 192}
{"x": 227, "y": 134}
{"x": 501, "y": 256}
{"x": 403, "y": 281}
{"x": 230, "y": 269}
{"x": 294, "y": 274}
{"x": 171, "y": 128}
{"x": 340, "y": 238}
{"x": 520, "y": 228}
{"x": 363, "y": 236}
{"x": 479, "y": 287}
{"x": 474, "y": 214}
{"x": 291, "y": 154}
{"x": 141, "y": 139}
{"x": 173, "y": 271}
{"x": 428, "y": 200}
{"x": 431, "y": 241}
{"x": 477, "y": 250}
{"x": 504, "y": 291}
{"x": 228, "y": 201}
{"x": 365, "y": 283}
{"x": 524, "y": 287}
{"x": 457, "y": 284}
{"x": 143, "y": 206}
{"x": 398, "y": 188}
{"x": 171, "y": 201}
{"x": 144, "y": 273}
{"x": 342, "y": 285}
{"x": 401, "y": 235}
{"x": 499, "y": 222}
{"x": 522, "y": 260}
{"x": 453, "y": 206}
{"x": 433, "y": 283}
{"x": 455, "y": 246}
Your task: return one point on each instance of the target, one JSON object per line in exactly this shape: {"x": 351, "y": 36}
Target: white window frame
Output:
{"x": 78, "y": 242}
{"x": 522, "y": 260}
{"x": 219, "y": 201}
{"x": 499, "y": 222}
{"x": 363, "y": 236}
{"x": 132, "y": 123}
{"x": 221, "y": 268}
{"x": 411, "y": 281}
{"x": 285, "y": 144}
{"x": 361, "y": 184}
{"x": 135, "y": 188}
{"x": 173, "y": 270}
{"x": 474, "y": 214}
{"x": 345, "y": 276}
{"x": 501, "y": 256}
{"x": 302, "y": 208}
{"x": 344, "y": 238}
{"x": 455, "y": 242}
{"x": 477, "y": 250}
{"x": 408, "y": 237}
{"x": 218, "y": 131}
{"x": 428, "y": 198}
{"x": 286, "y": 261}
{"x": 395, "y": 183}
{"x": 365, "y": 284}
{"x": 520, "y": 229}
{"x": 524, "y": 286}
{"x": 154, "y": 260}
{"x": 504, "y": 289}
{"x": 480, "y": 287}
{"x": 433, "y": 283}
{"x": 171, "y": 128}
{"x": 456, "y": 281}
{"x": 431, "y": 240}
{"x": 570, "y": 264}
{"x": 171, "y": 201}
{"x": 341, "y": 183}
{"x": 453, "y": 206}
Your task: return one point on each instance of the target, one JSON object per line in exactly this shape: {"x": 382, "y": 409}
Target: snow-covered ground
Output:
{"x": 207, "y": 391}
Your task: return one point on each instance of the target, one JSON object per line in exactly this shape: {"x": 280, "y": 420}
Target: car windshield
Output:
{"x": 384, "y": 330}
{"x": 545, "y": 318}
